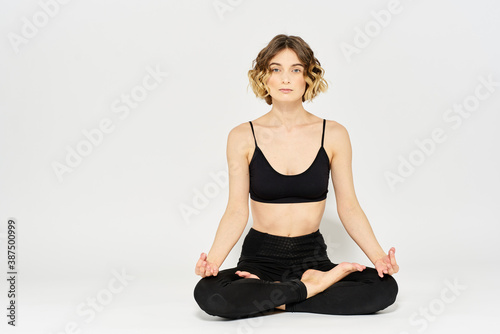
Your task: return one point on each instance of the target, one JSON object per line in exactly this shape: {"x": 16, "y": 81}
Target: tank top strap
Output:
{"x": 323, "y": 135}
{"x": 251, "y": 125}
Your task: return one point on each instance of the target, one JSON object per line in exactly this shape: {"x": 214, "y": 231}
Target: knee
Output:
{"x": 210, "y": 298}
{"x": 388, "y": 291}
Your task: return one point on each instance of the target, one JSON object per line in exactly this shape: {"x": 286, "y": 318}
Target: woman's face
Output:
{"x": 287, "y": 82}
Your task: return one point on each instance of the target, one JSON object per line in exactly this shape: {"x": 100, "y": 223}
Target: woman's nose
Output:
{"x": 284, "y": 78}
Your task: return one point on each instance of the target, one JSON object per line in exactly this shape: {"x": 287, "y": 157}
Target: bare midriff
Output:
{"x": 287, "y": 219}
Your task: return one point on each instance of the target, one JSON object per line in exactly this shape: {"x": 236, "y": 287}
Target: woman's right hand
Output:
{"x": 205, "y": 268}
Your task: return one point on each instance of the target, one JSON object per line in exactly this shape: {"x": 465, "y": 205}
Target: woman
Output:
{"x": 283, "y": 263}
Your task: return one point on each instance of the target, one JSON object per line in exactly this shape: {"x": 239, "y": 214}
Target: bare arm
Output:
{"x": 350, "y": 213}
{"x": 235, "y": 217}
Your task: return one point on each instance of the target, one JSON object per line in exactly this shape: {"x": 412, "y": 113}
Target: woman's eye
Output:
{"x": 296, "y": 70}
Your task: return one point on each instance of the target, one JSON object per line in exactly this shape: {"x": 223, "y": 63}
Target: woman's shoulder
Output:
{"x": 240, "y": 134}
{"x": 334, "y": 127}
{"x": 335, "y": 133}
{"x": 241, "y": 129}
{"x": 337, "y": 141}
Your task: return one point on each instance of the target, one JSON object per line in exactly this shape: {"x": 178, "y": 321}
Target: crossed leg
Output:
{"x": 231, "y": 296}
{"x": 344, "y": 290}
{"x": 347, "y": 288}
{"x": 317, "y": 281}
{"x": 360, "y": 292}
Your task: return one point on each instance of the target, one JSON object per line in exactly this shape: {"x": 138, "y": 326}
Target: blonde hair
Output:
{"x": 313, "y": 73}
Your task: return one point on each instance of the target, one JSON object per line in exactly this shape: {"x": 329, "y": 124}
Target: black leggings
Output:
{"x": 279, "y": 262}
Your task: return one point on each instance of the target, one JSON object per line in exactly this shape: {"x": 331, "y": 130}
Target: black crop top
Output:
{"x": 269, "y": 186}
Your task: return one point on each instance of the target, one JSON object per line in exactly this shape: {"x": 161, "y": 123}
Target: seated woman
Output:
{"x": 283, "y": 160}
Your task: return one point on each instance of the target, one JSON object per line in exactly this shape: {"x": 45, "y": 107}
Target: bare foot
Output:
{"x": 317, "y": 281}
{"x": 246, "y": 274}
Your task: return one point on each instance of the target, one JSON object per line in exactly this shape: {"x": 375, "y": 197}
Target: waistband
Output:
{"x": 261, "y": 246}
{"x": 279, "y": 238}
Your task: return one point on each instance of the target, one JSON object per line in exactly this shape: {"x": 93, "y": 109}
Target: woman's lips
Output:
{"x": 285, "y": 90}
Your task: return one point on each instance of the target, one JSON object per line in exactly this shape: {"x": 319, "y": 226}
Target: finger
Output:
{"x": 392, "y": 255}
{"x": 203, "y": 257}
{"x": 212, "y": 269}
{"x": 209, "y": 271}
{"x": 380, "y": 273}
{"x": 200, "y": 260}
{"x": 199, "y": 269}
{"x": 206, "y": 269}
{"x": 359, "y": 267}
{"x": 216, "y": 270}
{"x": 199, "y": 266}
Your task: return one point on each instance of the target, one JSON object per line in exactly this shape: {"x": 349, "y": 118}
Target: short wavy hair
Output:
{"x": 260, "y": 72}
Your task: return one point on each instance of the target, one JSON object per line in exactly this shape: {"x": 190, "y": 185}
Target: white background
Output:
{"x": 120, "y": 208}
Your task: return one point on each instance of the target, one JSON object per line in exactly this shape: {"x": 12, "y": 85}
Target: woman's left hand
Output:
{"x": 387, "y": 264}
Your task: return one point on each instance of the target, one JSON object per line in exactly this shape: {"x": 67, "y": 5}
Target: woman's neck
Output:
{"x": 288, "y": 114}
